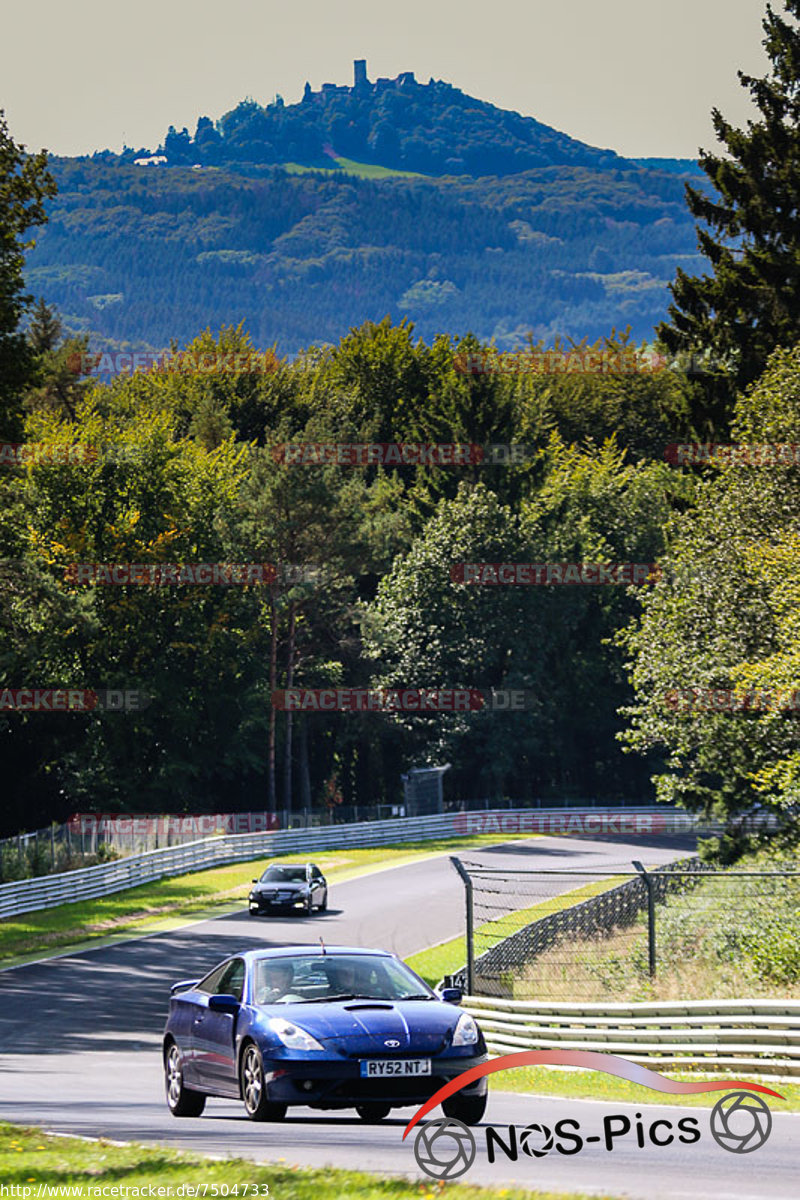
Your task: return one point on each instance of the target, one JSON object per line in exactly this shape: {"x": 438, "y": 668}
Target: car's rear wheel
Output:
{"x": 254, "y": 1092}
{"x": 373, "y": 1112}
{"x": 324, "y": 903}
{"x": 182, "y": 1101}
{"x": 469, "y": 1109}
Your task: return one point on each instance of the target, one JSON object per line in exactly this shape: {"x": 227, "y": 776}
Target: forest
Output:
{"x": 141, "y": 257}
{"x": 173, "y": 475}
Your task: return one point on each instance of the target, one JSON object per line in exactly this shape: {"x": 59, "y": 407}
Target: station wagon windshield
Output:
{"x": 284, "y": 875}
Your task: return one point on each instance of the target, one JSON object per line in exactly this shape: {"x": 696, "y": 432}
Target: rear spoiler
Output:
{"x": 182, "y": 986}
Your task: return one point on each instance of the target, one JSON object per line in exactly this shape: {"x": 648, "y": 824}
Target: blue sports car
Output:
{"x": 323, "y": 1027}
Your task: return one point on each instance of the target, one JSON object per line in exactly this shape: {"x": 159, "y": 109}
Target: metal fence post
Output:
{"x": 651, "y": 917}
{"x": 470, "y": 940}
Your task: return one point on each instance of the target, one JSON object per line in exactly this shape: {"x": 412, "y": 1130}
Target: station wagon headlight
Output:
{"x": 466, "y": 1031}
{"x": 292, "y": 1036}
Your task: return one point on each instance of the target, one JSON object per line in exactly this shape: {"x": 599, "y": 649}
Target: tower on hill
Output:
{"x": 360, "y": 73}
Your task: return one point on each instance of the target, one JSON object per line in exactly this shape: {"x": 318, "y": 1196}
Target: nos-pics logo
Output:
{"x": 446, "y": 1148}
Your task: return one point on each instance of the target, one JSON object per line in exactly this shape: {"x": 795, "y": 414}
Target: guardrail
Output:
{"x": 47, "y": 891}
{"x": 759, "y": 1035}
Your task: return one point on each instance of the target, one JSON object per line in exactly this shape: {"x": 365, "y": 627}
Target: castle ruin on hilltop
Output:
{"x": 361, "y": 84}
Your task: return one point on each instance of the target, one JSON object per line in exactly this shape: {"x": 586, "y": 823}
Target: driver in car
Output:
{"x": 345, "y": 979}
{"x": 276, "y": 982}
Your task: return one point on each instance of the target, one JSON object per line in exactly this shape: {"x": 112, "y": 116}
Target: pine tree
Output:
{"x": 45, "y": 328}
{"x": 749, "y": 231}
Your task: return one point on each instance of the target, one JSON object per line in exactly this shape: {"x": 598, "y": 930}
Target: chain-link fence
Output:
{"x": 50, "y": 851}
{"x": 682, "y": 931}
{"x": 87, "y": 839}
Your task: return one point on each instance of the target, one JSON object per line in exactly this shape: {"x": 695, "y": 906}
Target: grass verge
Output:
{"x": 718, "y": 936}
{"x": 447, "y": 957}
{"x": 156, "y": 905}
{"x": 594, "y": 1085}
{"x": 30, "y": 1158}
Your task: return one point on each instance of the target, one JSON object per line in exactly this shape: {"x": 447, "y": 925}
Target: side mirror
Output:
{"x": 223, "y": 1003}
{"x": 451, "y": 995}
{"x": 255, "y": 881}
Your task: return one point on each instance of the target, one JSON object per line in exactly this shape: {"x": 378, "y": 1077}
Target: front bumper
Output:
{"x": 263, "y": 905}
{"x": 339, "y": 1084}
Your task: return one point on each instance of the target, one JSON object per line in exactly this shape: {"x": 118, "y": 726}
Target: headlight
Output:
{"x": 292, "y": 1036}
{"x": 466, "y": 1031}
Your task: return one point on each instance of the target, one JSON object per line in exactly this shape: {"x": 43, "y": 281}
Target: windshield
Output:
{"x": 293, "y": 979}
{"x": 284, "y": 875}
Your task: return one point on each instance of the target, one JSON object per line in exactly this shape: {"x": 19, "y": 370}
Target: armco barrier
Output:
{"x": 760, "y": 1036}
{"x": 47, "y": 891}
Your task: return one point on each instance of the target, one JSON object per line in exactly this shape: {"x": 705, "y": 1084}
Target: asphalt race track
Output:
{"x": 80, "y": 1038}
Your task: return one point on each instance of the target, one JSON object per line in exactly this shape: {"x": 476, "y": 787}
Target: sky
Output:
{"x": 636, "y": 76}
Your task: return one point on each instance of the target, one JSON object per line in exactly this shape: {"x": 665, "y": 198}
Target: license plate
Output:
{"x": 381, "y": 1068}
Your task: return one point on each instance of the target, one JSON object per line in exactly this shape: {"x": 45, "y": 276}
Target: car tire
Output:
{"x": 254, "y": 1093}
{"x": 182, "y": 1101}
{"x": 469, "y": 1109}
{"x": 324, "y": 904}
{"x": 309, "y": 908}
{"x": 373, "y": 1112}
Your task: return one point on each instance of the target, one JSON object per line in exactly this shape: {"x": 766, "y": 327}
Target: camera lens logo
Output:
{"x": 536, "y": 1140}
{"x": 444, "y": 1149}
{"x": 741, "y": 1122}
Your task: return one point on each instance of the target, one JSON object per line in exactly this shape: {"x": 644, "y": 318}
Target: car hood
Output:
{"x": 359, "y": 1027}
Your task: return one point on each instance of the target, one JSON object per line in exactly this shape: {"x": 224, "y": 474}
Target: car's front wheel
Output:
{"x": 373, "y": 1112}
{"x": 254, "y": 1092}
{"x": 469, "y": 1109}
{"x": 181, "y": 1100}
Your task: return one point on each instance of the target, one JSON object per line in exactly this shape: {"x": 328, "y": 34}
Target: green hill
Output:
{"x": 381, "y": 198}
{"x": 432, "y": 129}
